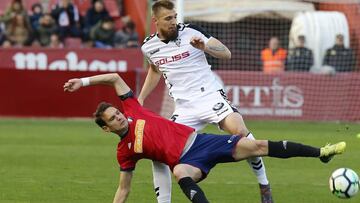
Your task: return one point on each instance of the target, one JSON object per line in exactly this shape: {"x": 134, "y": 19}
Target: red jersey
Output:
{"x": 150, "y": 136}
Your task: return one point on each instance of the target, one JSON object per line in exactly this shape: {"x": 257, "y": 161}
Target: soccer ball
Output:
{"x": 344, "y": 183}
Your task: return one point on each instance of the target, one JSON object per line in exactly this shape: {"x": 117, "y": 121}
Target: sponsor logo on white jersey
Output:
{"x": 176, "y": 57}
{"x": 184, "y": 67}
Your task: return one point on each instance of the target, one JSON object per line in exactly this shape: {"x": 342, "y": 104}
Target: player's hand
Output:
{"x": 198, "y": 43}
{"x": 72, "y": 85}
{"x": 141, "y": 101}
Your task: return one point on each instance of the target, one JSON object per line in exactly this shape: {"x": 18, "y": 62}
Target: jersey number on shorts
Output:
{"x": 174, "y": 117}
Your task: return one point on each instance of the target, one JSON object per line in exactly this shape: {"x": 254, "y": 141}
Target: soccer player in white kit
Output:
{"x": 177, "y": 51}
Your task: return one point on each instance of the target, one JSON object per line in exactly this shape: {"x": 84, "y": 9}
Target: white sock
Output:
{"x": 258, "y": 167}
{"x": 162, "y": 182}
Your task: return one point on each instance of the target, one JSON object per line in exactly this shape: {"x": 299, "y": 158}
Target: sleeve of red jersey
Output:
{"x": 126, "y": 164}
{"x": 132, "y": 105}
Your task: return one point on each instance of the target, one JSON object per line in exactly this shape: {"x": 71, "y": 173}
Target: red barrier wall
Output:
{"x": 288, "y": 96}
{"x": 299, "y": 96}
{"x": 40, "y": 94}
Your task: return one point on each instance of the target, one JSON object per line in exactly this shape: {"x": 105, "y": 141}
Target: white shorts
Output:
{"x": 211, "y": 108}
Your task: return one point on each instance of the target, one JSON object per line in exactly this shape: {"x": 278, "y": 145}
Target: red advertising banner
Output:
{"x": 107, "y": 60}
{"x": 299, "y": 96}
{"x": 28, "y": 93}
{"x": 288, "y": 96}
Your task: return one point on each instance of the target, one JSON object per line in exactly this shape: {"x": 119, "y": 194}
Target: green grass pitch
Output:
{"x": 74, "y": 161}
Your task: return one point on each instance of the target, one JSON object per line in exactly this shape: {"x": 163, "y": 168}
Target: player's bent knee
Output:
{"x": 234, "y": 124}
{"x": 242, "y": 131}
{"x": 238, "y": 130}
{"x": 253, "y": 147}
{"x": 184, "y": 170}
{"x": 261, "y": 147}
{"x": 247, "y": 148}
{"x": 179, "y": 172}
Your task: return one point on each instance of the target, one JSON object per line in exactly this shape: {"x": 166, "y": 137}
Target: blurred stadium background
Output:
{"x": 51, "y": 152}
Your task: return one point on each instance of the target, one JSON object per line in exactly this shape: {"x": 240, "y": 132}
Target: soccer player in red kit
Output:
{"x": 190, "y": 156}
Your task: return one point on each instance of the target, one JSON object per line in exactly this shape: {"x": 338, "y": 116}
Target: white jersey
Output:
{"x": 185, "y": 68}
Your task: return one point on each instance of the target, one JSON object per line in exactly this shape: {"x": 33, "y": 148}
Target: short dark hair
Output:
{"x": 130, "y": 24}
{"x": 101, "y": 108}
{"x": 340, "y": 36}
{"x": 94, "y": 1}
{"x": 162, "y": 4}
{"x": 36, "y": 5}
{"x": 107, "y": 19}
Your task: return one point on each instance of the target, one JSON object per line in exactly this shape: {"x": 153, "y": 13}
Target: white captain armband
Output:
{"x": 85, "y": 82}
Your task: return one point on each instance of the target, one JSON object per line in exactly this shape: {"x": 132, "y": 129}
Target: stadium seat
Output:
{"x": 27, "y": 4}
{"x": 83, "y": 6}
{"x": 51, "y": 4}
{"x": 112, "y": 7}
{"x": 3, "y": 5}
{"x": 72, "y": 42}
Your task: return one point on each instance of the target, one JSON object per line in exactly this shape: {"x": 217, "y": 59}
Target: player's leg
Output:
{"x": 234, "y": 124}
{"x": 204, "y": 153}
{"x": 187, "y": 176}
{"x": 283, "y": 149}
{"x": 162, "y": 182}
{"x": 161, "y": 172}
{"x": 186, "y": 113}
{"x": 217, "y": 109}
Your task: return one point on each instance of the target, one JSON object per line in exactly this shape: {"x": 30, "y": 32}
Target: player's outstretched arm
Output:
{"x": 124, "y": 187}
{"x": 152, "y": 79}
{"x": 213, "y": 47}
{"x": 112, "y": 79}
